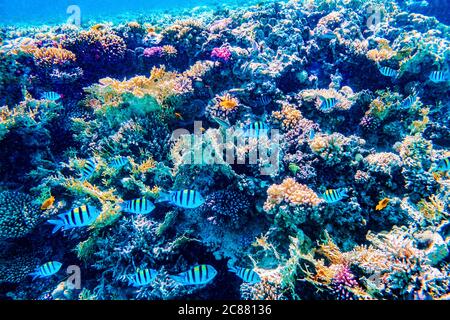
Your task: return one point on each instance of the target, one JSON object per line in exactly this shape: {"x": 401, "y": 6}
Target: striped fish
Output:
{"x": 51, "y": 95}
{"x": 76, "y": 218}
{"x": 264, "y": 101}
{"x": 138, "y": 206}
{"x": 198, "y": 275}
{"x": 256, "y": 129}
{"x": 118, "y": 163}
{"x": 188, "y": 199}
{"x": 409, "y": 101}
{"x": 47, "y": 269}
{"x": 443, "y": 164}
{"x": 439, "y": 76}
{"x": 88, "y": 170}
{"x": 142, "y": 277}
{"x": 334, "y": 195}
{"x": 388, "y": 72}
{"x": 248, "y": 275}
{"x": 328, "y": 103}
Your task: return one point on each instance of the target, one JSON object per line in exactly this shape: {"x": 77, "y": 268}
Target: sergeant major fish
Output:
{"x": 201, "y": 274}
{"x": 76, "y": 218}
{"x": 248, "y": 275}
{"x": 334, "y": 195}
{"x": 388, "y": 72}
{"x": 51, "y": 95}
{"x": 46, "y": 270}
{"x": 118, "y": 163}
{"x": 142, "y": 277}
{"x": 138, "y": 206}
{"x": 188, "y": 199}
{"x": 439, "y": 76}
{"x": 88, "y": 169}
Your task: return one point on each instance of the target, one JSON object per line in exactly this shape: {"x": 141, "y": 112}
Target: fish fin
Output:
{"x": 163, "y": 197}
{"x": 58, "y": 225}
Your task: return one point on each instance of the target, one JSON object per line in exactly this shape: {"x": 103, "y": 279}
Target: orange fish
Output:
{"x": 382, "y": 204}
{"x": 48, "y": 203}
{"x": 178, "y": 116}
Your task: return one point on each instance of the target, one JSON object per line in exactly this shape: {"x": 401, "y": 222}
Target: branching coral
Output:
{"x": 292, "y": 193}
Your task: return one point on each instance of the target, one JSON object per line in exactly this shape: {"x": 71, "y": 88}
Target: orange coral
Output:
{"x": 227, "y": 102}
{"x": 48, "y": 203}
{"x": 47, "y": 57}
{"x": 291, "y": 192}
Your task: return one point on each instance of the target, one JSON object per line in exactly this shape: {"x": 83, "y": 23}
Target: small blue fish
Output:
{"x": 443, "y": 165}
{"x": 388, "y": 72}
{"x": 409, "y": 101}
{"x": 188, "y": 199}
{"x": 51, "y": 95}
{"x": 248, "y": 275}
{"x": 334, "y": 195}
{"x": 46, "y": 270}
{"x": 223, "y": 123}
{"x": 264, "y": 101}
{"x": 197, "y": 275}
{"x": 76, "y": 218}
{"x": 138, "y": 206}
{"x": 312, "y": 134}
{"x": 328, "y": 103}
{"x": 256, "y": 129}
{"x": 88, "y": 169}
{"x": 142, "y": 277}
{"x": 439, "y": 76}
{"x": 118, "y": 163}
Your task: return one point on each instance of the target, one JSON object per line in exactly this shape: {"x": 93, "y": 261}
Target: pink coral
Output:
{"x": 222, "y": 54}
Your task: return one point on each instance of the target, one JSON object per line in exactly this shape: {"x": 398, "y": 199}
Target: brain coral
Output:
{"x": 18, "y": 216}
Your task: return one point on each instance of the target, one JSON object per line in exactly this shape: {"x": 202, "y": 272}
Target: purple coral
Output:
{"x": 221, "y": 54}
{"x": 153, "y": 52}
{"x": 342, "y": 281}
{"x": 226, "y": 206}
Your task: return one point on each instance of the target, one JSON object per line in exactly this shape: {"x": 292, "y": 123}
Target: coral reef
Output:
{"x": 267, "y": 111}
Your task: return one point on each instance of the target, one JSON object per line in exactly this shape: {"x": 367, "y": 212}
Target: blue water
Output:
{"x": 29, "y": 12}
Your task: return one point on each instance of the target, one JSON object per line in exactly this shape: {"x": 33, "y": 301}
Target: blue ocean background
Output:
{"x": 28, "y": 12}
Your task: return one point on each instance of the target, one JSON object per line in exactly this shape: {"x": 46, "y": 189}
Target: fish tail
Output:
{"x": 344, "y": 192}
{"x": 163, "y": 197}
{"x": 34, "y": 274}
{"x": 58, "y": 225}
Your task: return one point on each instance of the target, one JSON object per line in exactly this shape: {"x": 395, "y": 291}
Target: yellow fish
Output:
{"x": 382, "y": 204}
{"x": 48, "y": 203}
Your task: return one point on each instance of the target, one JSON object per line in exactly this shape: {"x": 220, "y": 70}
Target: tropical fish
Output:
{"x": 223, "y": 123}
{"x": 118, "y": 163}
{"x": 248, "y": 275}
{"x": 328, "y": 103}
{"x": 188, "y": 199}
{"x": 334, "y": 195}
{"x": 409, "y": 101}
{"x": 264, "y": 101}
{"x": 76, "y": 218}
{"x": 142, "y": 277}
{"x": 382, "y": 204}
{"x": 47, "y": 203}
{"x": 439, "y": 76}
{"x": 388, "y": 72}
{"x": 51, "y": 95}
{"x": 46, "y": 270}
{"x": 294, "y": 168}
{"x": 178, "y": 115}
{"x": 201, "y": 274}
{"x": 256, "y": 129}
{"x": 88, "y": 169}
{"x": 443, "y": 165}
{"x": 312, "y": 134}
{"x": 138, "y": 206}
